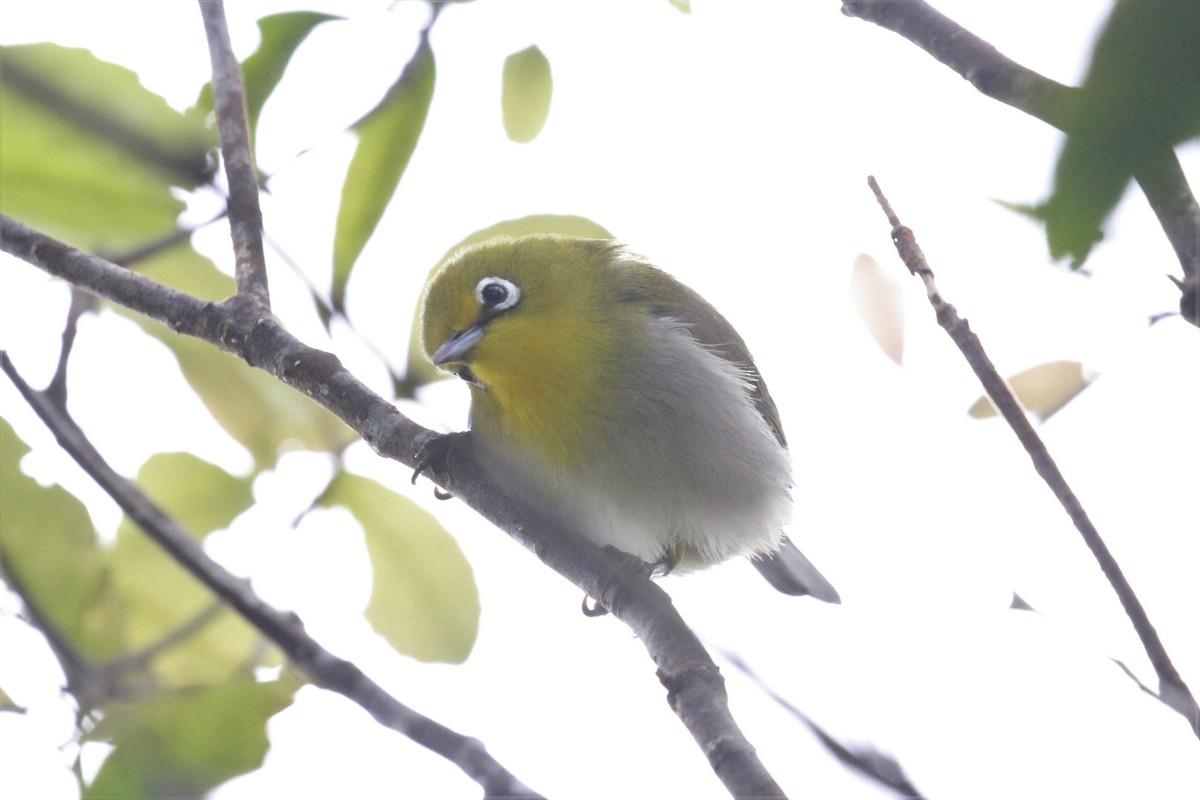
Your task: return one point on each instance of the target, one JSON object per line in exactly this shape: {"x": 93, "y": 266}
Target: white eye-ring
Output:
{"x": 497, "y": 294}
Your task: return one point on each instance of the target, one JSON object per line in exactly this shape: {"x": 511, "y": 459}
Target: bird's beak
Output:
{"x": 453, "y": 349}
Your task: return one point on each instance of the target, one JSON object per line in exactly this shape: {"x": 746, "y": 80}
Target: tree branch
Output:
{"x": 695, "y": 688}
{"x": 1172, "y": 689}
{"x": 285, "y": 630}
{"x": 229, "y": 103}
{"x": 1000, "y": 78}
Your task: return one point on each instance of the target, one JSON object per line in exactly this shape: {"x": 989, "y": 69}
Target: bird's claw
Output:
{"x": 593, "y": 610}
{"x": 433, "y": 458}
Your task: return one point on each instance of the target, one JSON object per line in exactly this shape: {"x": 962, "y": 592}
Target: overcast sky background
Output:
{"x": 731, "y": 147}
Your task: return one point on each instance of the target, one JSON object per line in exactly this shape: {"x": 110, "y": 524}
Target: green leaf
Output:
{"x": 1042, "y": 389}
{"x": 160, "y": 597}
{"x": 419, "y": 371}
{"x": 281, "y": 35}
{"x": 387, "y": 137}
{"x": 1141, "y": 94}
{"x": 263, "y": 414}
{"x": 48, "y": 544}
{"x": 92, "y": 161}
{"x": 186, "y": 743}
{"x": 201, "y": 496}
{"x": 683, "y": 6}
{"x": 423, "y": 598}
{"x": 527, "y": 90}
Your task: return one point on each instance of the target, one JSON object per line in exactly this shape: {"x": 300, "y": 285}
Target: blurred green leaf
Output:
{"x": 185, "y": 743}
{"x": 423, "y": 597}
{"x": 48, "y": 542}
{"x": 161, "y": 597}
{"x": 1042, "y": 389}
{"x": 1141, "y": 94}
{"x": 264, "y": 415}
{"x": 684, "y": 6}
{"x": 92, "y": 162}
{"x": 201, "y": 496}
{"x": 281, "y": 35}
{"x": 419, "y": 370}
{"x": 387, "y": 137}
{"x": 182, "y": 268}
{"x": 525, "y": 97}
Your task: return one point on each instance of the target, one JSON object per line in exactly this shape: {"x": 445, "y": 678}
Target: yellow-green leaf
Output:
{"x": 48, "y": 544}
{"x": 684, "y": 6}
{"x": 387, "y": 137}
{"x": 92, "y": 161}
{"x": 160, "y": 597}
{"x": 1042, "y": 389}
{"x": 186, "y": 743}
{"x": 201, "y": 496}
{"x": 423, "y": 598}
{"x": 263, "y": 414}
{"x": 419, "y": 371}
{"x": 525, "y": 97}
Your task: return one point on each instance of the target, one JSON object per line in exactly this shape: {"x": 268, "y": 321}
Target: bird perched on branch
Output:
{"x": 617, "y": 399}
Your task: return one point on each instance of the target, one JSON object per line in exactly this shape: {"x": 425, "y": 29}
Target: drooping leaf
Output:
{"x": 419, "y": 371}
{"x": 185, "y": 743}
{"x": 160, "y": 597}
{"x": 264, "y": 415}
{"x": 387, "y": 137}
{"x": 92, "y": 161}
{"x": 423, "y": 598}
{"x": 1042, "y": 389}
{"x": 49, "y": 545}
{"x": 525, "y": 97}
{"x": 1141, "y": 94}
{"x": 880, "y": 303}
{"x": 281, "y": 35}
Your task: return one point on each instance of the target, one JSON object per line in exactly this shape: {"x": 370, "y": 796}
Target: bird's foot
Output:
{"x": 651, "y": 569}
{"x": 433, "y": 459}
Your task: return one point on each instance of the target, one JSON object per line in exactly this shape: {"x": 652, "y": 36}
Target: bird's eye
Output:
{"x": 497, "y": 294}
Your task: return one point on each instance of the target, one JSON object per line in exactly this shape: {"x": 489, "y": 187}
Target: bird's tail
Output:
{"x": 790, "y": 571}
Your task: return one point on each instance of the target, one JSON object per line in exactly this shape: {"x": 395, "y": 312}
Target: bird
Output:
{"x": 619, "y": 401}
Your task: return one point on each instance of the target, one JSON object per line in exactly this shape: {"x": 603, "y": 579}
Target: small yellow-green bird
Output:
{"x": 616, "y": 398}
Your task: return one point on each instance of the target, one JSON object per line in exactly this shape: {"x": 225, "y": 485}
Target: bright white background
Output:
{"x": 731, "y": 147}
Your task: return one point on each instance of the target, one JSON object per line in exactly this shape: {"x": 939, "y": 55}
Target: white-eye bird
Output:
{"x": 608, "y": 393}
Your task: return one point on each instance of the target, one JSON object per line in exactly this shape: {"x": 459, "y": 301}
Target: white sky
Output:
{"x": 730, "y": 146}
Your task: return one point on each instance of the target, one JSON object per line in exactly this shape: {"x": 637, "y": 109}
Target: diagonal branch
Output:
{"x": 240, "y": 326}
{"x": 286, "y": 630}
{"x": 991, "y": 72}
{"x": 1173, "y": 691}
{"x": 229, "y": 103}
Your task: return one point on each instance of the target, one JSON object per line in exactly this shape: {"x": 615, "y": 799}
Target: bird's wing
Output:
{"x": 667, "y": 297}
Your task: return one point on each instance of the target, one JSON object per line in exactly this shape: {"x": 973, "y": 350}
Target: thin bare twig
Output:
{"x": 81, "y": 303}
{"x": 695, "y": 688}
{"x": 286, "y": 630}
{"x": 1172, "y": 689}
{"x": 229, "y": 103}
{"x": 992, "y": 73}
